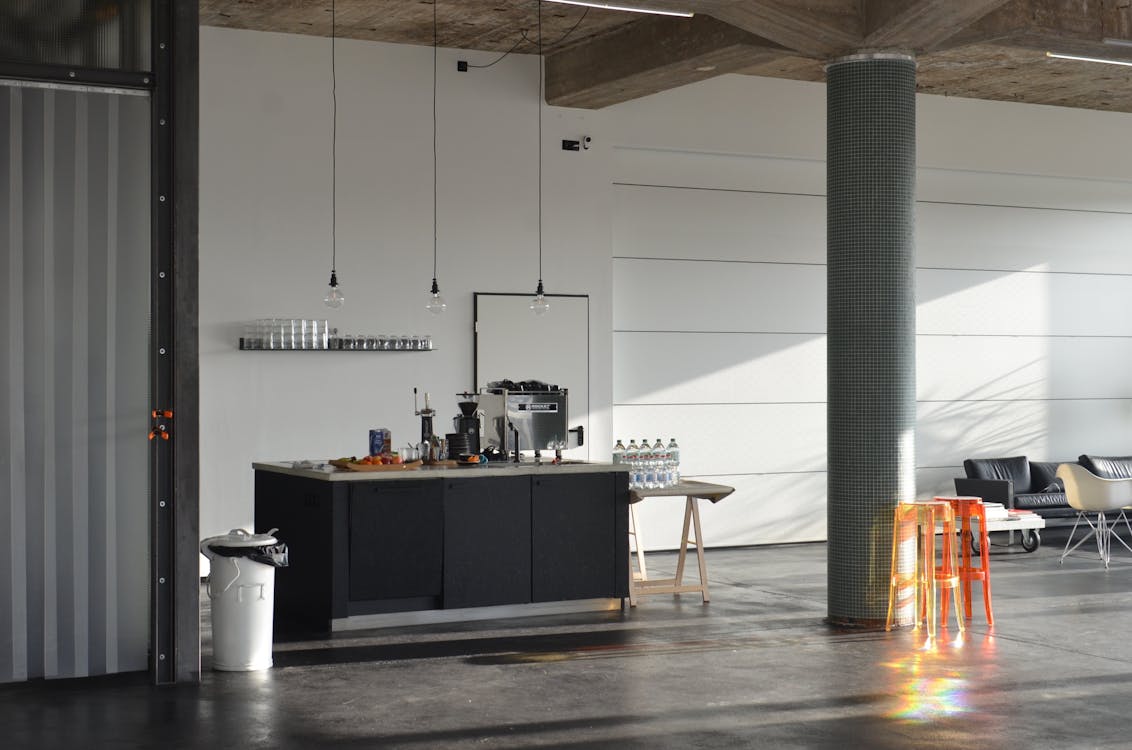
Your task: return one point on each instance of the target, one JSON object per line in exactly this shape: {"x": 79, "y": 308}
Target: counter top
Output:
{"x": 494, "y": 469}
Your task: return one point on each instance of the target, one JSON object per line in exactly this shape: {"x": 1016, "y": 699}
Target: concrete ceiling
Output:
{"x": 982, "y": 49}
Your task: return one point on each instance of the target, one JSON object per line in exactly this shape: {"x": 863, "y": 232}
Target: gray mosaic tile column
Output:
{"x": 871, "y": 174}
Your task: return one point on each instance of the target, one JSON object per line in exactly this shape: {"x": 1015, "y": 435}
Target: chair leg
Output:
{"x": 1104, "y": 544}
{"x": 1082, "y": 540}
{"x": 894, "y": 579}
{"x": 1122, "y": 517}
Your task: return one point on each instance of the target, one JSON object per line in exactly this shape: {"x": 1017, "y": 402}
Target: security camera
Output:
{"x": 586, "y": 141}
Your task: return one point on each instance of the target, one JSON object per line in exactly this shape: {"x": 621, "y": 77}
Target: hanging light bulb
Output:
{"x": 334, "y": 297}
{"x": 539, "y": 305}
{"x": 436, "y": 304}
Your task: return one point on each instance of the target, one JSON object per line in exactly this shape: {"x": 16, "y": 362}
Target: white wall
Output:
{"x": 695, "y": 224}
{"x": 1025, "y": 294}
{"x": 265, "y": 238}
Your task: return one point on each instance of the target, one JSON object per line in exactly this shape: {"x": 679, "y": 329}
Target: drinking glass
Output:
{"x": 251, "y": 334}
{"x": 274, "y": 333}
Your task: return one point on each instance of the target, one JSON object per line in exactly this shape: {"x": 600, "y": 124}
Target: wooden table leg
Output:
{"x": 684, "y": 542}
{"x": 695, "y": 506}
{"x": 638, "y": 541}
{"x": 634, "y": 576}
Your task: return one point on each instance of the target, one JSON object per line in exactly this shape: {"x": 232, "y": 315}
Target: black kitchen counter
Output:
{"x": 442, "y": 540}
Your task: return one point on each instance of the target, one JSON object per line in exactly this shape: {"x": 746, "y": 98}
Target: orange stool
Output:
{"x": 968, "y": 509}
{"x": 916, "y": 522}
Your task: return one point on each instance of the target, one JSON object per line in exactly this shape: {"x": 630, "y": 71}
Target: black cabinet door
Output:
{"x": 309, "y": 515}
{"x": 487, "y": 541}
{"x": 396, "y": 539}
{"x": 573, "y": 537}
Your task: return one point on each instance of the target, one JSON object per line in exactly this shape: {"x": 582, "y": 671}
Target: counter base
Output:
{"x": 466, "y": 614}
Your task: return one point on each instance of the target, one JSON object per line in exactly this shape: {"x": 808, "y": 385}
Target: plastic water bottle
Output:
{"x": 674, "y": 459}
{"x": 633, "y": 458}
{"x": 660, "y": 456}
{"x": 618, "y": 453}
{"x": 648, "y": 464}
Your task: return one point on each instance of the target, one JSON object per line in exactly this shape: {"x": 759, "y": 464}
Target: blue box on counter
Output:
{"x": 380, "y": 441}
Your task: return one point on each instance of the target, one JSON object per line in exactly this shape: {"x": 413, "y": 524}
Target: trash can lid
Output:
{"x": 239, "y": 538}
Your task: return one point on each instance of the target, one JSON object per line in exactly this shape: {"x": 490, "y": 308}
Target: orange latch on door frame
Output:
{"x": 160, "y": 429}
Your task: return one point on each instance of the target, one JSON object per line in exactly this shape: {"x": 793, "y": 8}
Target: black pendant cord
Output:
{"x": 540, "y": 82}
{"x": 333, "y": 150}
{"x": 434, "y": 212}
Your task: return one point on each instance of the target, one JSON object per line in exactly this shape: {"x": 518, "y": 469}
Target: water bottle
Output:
{"x": 633, "y": 458}
{"x": 648, "y": 464}
{"x": 618, "y": 453}
{"x": 660, "y": 455}
{"x": 674, "y": 457}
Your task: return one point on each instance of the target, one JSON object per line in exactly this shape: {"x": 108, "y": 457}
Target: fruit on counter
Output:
{"x": 372, "y": 460}
{"x": 472, "y": 459}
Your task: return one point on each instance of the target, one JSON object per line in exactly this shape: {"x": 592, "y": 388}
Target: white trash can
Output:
{"x": 241, "y": 585}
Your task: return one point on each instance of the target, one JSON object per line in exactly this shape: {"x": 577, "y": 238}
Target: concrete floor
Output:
{"x": 755, "y": 668}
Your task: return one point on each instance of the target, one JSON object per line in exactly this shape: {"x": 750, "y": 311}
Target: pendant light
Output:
{"x": 539, "y": 304}
{"x": 436, "y": 303}
{"x": 334, "y": 297}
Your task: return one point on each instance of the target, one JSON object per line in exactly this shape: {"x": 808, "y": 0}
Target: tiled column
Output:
{"x": 871, "y": 173}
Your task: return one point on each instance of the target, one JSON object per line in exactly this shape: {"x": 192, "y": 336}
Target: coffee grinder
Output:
{"x": 468, "y": 421}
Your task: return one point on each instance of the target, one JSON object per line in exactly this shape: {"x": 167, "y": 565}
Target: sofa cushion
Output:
{"x": 1108, "y": 467}
{"x": 1038, "y": 500}
{"x": 1016, "y": 468}
{"x": 1043, "y": 476}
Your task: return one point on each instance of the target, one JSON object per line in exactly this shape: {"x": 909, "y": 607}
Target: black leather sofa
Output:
{"x": 1018, "y": 482}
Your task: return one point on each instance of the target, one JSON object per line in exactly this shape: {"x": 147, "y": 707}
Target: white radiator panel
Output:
{"x": 1023, "y": 304}
{"x": 1012, "y": 189}
{"x": 730, "y": 439}
{"x": 764, "y": 509}
{"x": 997, "y": 237}
{"x": 1022, "y": 367}
{"x": 1044, "y": 430}
{"x": 659, "y": 222}
{"x": 647, "y": 166}
{"x": 653, "y": 295}
{"x": 682, "y": 368}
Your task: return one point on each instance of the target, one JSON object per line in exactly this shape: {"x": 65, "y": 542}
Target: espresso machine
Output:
{"x": 526, "y": 416}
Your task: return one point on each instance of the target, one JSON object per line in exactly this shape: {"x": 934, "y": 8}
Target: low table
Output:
{"x": 639, "y": 582}
{"x": 1029, "y": 523}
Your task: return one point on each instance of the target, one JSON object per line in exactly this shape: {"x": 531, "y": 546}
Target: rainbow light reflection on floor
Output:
{"x": 929, "y": 684}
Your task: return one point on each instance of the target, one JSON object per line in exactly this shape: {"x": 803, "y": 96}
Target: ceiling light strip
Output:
{"x": 1080, "y": 58}
{"x": 627, "y": 8}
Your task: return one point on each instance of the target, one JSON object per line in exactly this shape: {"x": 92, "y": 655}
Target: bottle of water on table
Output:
{"x": 674, "y": 458}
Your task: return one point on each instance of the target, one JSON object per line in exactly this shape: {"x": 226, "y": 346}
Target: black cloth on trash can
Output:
{"x": 269, "y": 554}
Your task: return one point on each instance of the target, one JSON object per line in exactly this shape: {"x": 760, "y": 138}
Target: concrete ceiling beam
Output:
{"x": 648, "y": 56}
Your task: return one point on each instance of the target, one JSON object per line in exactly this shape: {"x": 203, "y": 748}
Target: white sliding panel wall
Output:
{"x": 1024, "y": 293}
{"x": 74, "y": 383}
{"x": 719, "y": 335}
